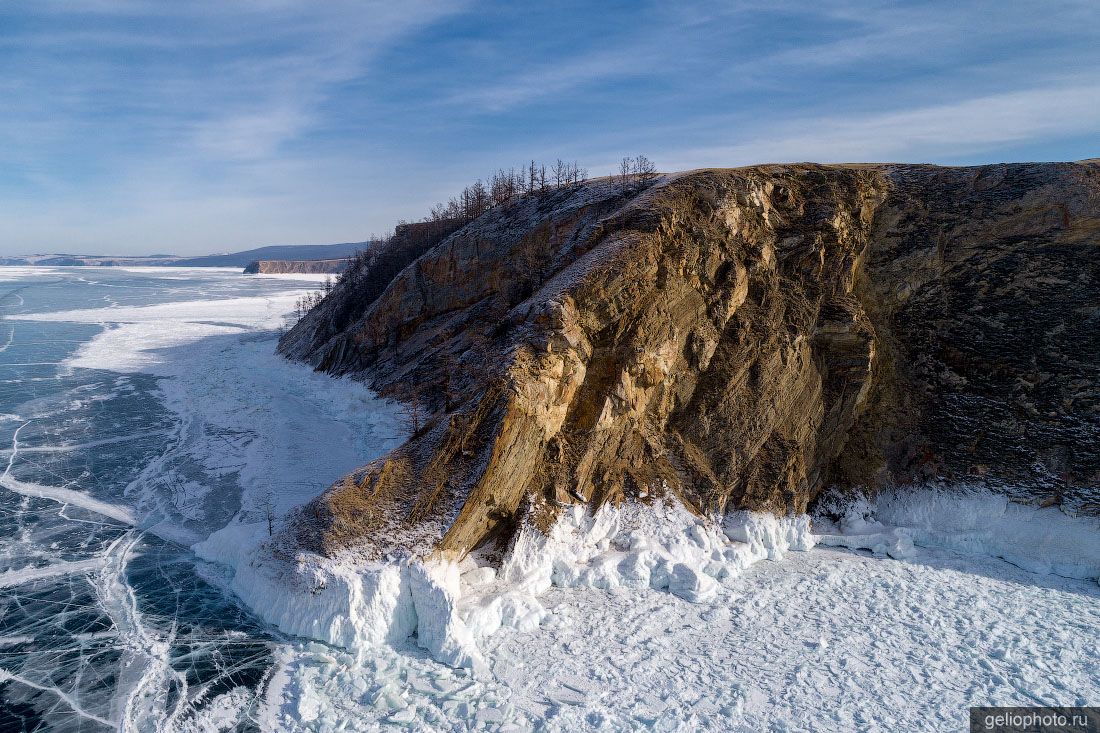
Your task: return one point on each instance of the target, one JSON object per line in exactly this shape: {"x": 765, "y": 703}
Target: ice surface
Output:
{"x": 102, "y": 625}
{"x": 282, "y": 431}
{"x": 310, "y": 277}
{"x": 136, "y": 337}
{"x": 973, "y": 521}
{"x": 822, "y": 639}
{"x": 641, "y": 617}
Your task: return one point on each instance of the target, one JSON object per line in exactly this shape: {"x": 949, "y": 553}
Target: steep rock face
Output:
{"x": 296, "y": 267}
{"x": 732, "y": 338}
{"x": 360, "y": 285}
{"x": 985, "y": 282}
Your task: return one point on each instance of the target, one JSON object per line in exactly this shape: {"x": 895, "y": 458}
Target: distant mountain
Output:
{"x": 294, "y": 252}
{"x": 277, "y": 252}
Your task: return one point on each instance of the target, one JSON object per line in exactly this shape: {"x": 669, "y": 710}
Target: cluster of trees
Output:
{"x": 370, "y": 271}
{"x": 534, "y": 178}
{"x": 310, "y": 300}
{"x": 505, "y": 185}
{"x": 634, "y": 171}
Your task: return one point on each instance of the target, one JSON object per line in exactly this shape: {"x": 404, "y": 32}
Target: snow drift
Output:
{"x": 449, "y": 608}
{"x": 970, "y": 520}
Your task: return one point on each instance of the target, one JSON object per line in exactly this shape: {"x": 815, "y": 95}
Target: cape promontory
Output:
{"x": 734, "y": 338}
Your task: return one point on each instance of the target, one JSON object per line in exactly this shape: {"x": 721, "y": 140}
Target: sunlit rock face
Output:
{"x": 734, "y": 339}
{"x": 295, "y": 267}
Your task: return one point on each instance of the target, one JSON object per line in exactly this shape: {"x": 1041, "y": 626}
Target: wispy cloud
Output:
{"x": 132, "y": 125}
{"x": 933, "y": 132}
{"x": 234, "y": 79}
{"x": 555, "y": 79}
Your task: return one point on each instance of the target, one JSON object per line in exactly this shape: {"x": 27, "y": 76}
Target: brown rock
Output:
{"x": 733, "y": 338}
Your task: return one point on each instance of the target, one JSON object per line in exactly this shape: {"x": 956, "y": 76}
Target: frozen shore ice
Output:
{"x": 640, "y": 617}
{"x": 970, "y": 520}
{"x": 822, "y": 638}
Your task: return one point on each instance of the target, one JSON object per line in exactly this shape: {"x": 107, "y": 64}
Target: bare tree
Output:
{"x": 532, "y": 177}
{"x": 561, "y": 173}
{"x": 412, "y": 410}
{"x": 626, "y": 173}
{"x": 502, "y": 186}
{"x": 644, "y": 169}
{"x": 479, "y": 198}
{"x": 265, "y": 505}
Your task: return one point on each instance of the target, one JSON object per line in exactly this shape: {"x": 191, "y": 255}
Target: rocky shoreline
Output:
{"x": 296, "y": 267}
{"x": 732, "y": 339}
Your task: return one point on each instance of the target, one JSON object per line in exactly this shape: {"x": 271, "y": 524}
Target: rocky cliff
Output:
{"x": 295, "y": 267}
{"x": 738, "y": 338}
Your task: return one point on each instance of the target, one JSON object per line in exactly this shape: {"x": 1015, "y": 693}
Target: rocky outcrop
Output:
{"x": 295, "y": 267}
{"x": 732, "y": 338}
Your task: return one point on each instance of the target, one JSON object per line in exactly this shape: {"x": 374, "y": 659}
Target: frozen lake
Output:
{"x": 138, "y": 409}
{"x": 143, "y": 410}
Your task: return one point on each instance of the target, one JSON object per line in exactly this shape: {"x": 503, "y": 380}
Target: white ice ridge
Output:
{"x": 972, "y": 521}
{"x": 12, "y": 578}
{"x": 451, "y": 607}
{"x": 136, "y": 336}
{"x": 57, "y": 493}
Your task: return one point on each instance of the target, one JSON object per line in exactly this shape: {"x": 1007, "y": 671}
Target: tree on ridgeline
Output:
{"x": 634, "y": 171}
{"x": 626, "y": 173}
{"x": 532, "y": 177}
{"x": 644, "y": 169}
{"x": 369, "y": 270}
{"x": 502, "y": 186}
{"x": 560, "y": 173}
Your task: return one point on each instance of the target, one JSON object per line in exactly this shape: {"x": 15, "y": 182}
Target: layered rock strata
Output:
{"x": 735, "y": 339}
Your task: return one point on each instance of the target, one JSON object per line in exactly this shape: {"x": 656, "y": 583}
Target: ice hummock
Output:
{"x": 970, "y": 520}
{"x": 648, "y": 616}
{"x": 450, "y": 607}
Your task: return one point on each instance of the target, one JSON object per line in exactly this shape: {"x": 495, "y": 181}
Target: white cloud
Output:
{"x": 196, "y": 74}
{"x": 965, "y": 127}
{"x": 553, "y": 79}
{"x": 194, "y": 126}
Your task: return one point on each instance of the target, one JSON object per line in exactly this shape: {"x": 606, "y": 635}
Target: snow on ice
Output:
{"x": 893, "y": 613}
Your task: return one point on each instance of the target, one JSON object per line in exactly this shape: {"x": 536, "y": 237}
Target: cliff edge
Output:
{"x": 295, "y": 267}
{"x": 739, "y": 338}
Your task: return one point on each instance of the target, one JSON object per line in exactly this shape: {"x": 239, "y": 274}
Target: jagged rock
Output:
{"x": 733, "y": 338}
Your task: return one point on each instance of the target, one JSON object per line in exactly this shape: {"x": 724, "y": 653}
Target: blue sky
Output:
{"x": 193, "y": 127}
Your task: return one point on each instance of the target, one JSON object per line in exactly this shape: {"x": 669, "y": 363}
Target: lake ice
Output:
{"x": 144, "y": 411}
